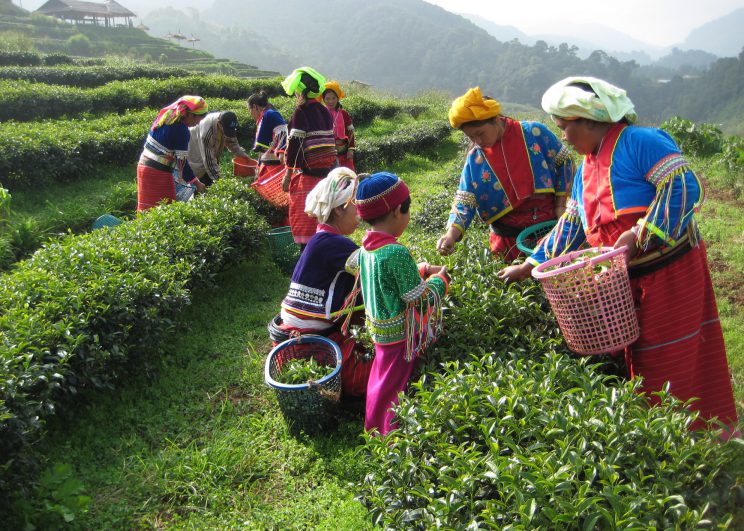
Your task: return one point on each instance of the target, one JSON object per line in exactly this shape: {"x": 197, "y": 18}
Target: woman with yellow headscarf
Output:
{"x": 343, "y": 127}
{"x": 165, "y": 149}
{"x": 514, "y": 176}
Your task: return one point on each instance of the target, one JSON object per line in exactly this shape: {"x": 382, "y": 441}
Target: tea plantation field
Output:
{"x": 131, "y": 359}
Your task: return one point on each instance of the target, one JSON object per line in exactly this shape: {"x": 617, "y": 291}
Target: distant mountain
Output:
{"x": 599, "y": 37}
{"x": 410, "y": 46}
{"x": 723, "y": 36}
{"x": 501, "y": 33}
{"x": 586, "y": 37}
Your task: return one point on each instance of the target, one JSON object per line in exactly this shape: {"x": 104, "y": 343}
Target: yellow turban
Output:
{"x": 335, "y": 87}
{"x": 471, "y": 106}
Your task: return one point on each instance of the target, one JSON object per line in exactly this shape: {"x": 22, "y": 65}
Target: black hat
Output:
{"x": 229, "y": 122}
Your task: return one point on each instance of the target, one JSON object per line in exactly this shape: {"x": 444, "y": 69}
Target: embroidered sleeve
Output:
{"x": 679, "y": 192}
{"x": 558, "y": 157}
{"x": 566, "y": 236}
{"x": 352, "y": 263}
{"x": 297, "y": 131}
{"x": 465, "y": 203}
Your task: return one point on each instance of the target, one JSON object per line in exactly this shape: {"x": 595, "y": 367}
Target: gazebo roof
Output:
{"x": 109, "y": 8}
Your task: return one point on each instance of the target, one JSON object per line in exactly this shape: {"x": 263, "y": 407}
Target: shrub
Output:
{"x": 14, "y": 41}
{"x": 55, "y": 59}
{"x": 74, "y": 314}
{"x": 86, "y": 76}
{"x": 79, "y": 44}
{"x": 509, "y": 431}
{"x": 64, "y": 150}
{"x": 25, "y": 101}
{"x": 19, "y": 58}
{"x": 695, "y": 139}
{"x": 375, "y": 153}
{"x": 503, "y": 441}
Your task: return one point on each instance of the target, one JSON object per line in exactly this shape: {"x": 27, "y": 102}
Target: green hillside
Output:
{"x": 49, "y": 35}
{"x": 410, "y": 46}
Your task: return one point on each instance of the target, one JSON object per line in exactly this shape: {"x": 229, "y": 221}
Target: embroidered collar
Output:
{"x": 374, "y": 239}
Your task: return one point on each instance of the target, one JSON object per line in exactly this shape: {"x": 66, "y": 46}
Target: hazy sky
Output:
{"x": 657, "y": 22}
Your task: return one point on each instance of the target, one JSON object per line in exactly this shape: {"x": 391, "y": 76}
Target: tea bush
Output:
{"x": 19, "y": 58}
{"x": 374, "y": 153}
{"x": 506, "y": 430}
{"x": 73, "y": 314}
{"x": 88, "y": 77}
{"x": 694, "y": 139}
{"x": 34, "y": 153}
{"x": 26, "y": 101}
{"x": 505, "y": 442}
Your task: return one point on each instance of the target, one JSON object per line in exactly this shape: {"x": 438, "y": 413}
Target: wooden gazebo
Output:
{"x": 87, "y": 12}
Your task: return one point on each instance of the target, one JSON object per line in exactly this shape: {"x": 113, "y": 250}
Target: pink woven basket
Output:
{"x": 591, "y": 300}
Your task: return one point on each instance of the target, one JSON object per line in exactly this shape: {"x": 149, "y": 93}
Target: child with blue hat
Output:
{"x": 403, "y": 300}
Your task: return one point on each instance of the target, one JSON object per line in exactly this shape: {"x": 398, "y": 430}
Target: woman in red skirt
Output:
{"x": 311, "y": 148}
{"x": 165, "y": 149}
{"x": 634, "y": 188}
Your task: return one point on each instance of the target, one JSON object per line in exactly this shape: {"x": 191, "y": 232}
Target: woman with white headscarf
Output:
{"x": 320, "y": 283}
{"x": 321, "y": 294}
{"x": 634, "y": 188}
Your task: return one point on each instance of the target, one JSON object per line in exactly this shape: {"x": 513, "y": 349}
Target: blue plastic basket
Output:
{"x": 528, "y": 238}
{"x": 107, "y": 220}
{"x": 311, "y": 406}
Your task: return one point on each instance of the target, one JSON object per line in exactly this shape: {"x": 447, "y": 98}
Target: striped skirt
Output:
{"x": 153, "y": 186}
{"x": 303, "y": 226}
{"x": 681, "y": 340}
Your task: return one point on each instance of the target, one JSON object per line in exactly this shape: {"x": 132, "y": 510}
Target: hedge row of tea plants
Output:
{"x": 512, "y": 432}
{"x": 374, "y": 153}
{"x": 27, "y": 101}
{"x": 74, "y": 313}
{"x": 18, "y": 58}
{"x": 88, "y": 76}
{"x": 34, "y": 153}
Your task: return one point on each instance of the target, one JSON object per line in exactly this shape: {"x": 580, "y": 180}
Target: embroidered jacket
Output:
{"x": 166, "y": 146}
{"x": 320, "y": 282}
{"x": 639, "y": 172}
{"x": 311, "y": 144}
{"x": 399, "y": 304}
{"x": 528, "y": 160}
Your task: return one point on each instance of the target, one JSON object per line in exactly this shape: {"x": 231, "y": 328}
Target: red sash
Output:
{"x": 510, "y": 161}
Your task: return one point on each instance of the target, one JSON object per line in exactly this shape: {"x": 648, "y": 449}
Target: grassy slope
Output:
{"x": 197, "y": 441}
{"x": 722, "y": 226}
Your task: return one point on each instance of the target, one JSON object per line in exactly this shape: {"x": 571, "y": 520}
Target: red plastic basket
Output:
{"x": 244, "y": 167}
{"x": 269, "y": 185}
{"x": 591, "y": 300}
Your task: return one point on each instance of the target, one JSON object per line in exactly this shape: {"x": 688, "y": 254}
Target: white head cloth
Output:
{"x": 334, "y": 191}
{"x": 607, "y": 103}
